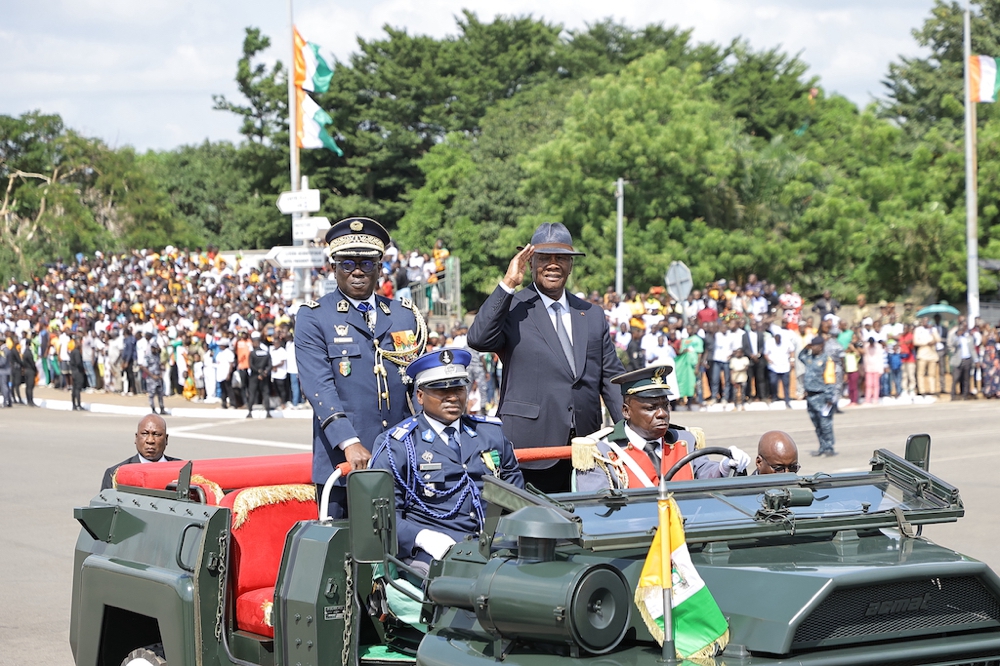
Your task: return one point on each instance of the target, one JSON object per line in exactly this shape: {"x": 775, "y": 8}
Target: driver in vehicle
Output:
{"x": 777, "y": 453}
{"x": 438, "y": 459}
{"x": 644, "y": 444}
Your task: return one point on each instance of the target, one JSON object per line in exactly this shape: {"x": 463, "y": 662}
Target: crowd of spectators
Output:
{"x": 190, "y": 306}
{"x": 732, "y": 343}
{"x": 729, "y": 342}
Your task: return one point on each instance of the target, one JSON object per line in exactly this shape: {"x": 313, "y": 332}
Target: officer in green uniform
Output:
{"x": 438, "y": 459}
{"x": 352, "y": 348}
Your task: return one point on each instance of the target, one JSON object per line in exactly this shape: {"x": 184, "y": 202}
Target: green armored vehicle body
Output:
{"x": 826, "y": 569}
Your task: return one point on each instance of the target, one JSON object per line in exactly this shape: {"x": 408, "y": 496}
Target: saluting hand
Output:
{"x": 515, "y": 270}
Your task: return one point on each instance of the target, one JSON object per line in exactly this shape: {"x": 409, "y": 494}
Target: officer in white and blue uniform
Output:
{"x": 352, "y": 348}
{"x": 438, "y": 460}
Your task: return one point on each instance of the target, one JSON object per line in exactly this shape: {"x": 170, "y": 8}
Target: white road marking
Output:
{"x": 239, "y": 440}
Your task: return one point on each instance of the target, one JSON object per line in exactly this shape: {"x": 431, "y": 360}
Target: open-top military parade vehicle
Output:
{"x": 234, "y": 565}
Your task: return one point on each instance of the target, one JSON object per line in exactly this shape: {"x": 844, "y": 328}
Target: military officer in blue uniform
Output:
{"x": 438, "y": 460}
{"x": 352, "y": 348}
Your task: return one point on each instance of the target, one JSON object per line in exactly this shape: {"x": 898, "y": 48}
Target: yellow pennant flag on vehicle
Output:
{"x": 700, "y": 629}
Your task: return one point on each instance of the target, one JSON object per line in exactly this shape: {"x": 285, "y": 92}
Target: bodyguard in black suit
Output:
{"x": 28, "y": 370}
{"x": 558, "y": 360}
{"x": 754, "y": 342}
{"x": 150, "y": 442}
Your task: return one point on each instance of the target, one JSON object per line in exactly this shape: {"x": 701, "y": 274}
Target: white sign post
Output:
{"x": 302, "y": 201}
{"x": 296, "y": 257}
{"x": 309, "y": 228}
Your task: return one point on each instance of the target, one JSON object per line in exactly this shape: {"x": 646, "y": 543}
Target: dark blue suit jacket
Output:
{"x": 325, "y": 354}
{"x": 440, "y": 466}
{"x": 540, "y": 398}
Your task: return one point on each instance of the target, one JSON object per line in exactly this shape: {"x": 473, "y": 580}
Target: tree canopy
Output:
{"x": 737, "y": 160}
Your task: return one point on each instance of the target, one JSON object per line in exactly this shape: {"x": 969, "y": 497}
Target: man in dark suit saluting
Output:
{"x": 557, "y": 355}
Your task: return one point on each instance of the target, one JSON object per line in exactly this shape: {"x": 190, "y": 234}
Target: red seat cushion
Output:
{"x": 230, "y": 473}
{"x": 253, "y": 611}
{"x": 262, "y": 517}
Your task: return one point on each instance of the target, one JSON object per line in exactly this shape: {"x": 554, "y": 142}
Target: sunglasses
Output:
{"x": 350, "y": 265}
{"x": 781, "y": 469}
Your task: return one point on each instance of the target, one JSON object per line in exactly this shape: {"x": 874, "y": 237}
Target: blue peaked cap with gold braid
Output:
{"x": 441, "y": 368}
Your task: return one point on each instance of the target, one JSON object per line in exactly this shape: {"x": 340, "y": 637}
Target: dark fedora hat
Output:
{"x": 553, "y": 238}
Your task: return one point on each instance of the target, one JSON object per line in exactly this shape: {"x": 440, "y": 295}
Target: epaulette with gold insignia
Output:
{"x": 400, "y": 432}
{"x": 310, "y": 304}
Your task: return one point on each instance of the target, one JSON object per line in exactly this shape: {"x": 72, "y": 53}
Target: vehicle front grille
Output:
{"x": 891, "y": 610}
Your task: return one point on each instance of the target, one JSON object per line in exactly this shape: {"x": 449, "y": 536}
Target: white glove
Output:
{"x": 740, "y": 461}
{"x": 436, "y": 544}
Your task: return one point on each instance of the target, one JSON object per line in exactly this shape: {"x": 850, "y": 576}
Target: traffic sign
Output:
{"x": 303, "y": 201}
{"x": 289, "y": 290}
{"x": 296, "y": 257}
{"x": 309, "y": 228}
{"x": 324, "y": 287}
{"x": 678, "y": 279}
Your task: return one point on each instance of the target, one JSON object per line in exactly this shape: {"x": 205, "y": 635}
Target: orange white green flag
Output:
{"x": 312, "y": 72}
{"x": 312, "y": 121}
{"x": 700, "y": 628}
{"x": 983, "y": 81}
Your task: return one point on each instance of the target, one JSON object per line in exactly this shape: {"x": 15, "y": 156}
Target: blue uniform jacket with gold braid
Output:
{"x": 436, "y": 489}
{"x": 335, "y": 353}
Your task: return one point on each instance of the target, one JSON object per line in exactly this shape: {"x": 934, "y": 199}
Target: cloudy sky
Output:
{"x": 142, "y": 72}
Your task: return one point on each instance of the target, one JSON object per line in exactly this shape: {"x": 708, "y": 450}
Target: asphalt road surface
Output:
{"x": 54, "y": 461}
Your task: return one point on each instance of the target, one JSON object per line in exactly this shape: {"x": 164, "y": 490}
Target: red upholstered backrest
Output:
{"x": 257, "y": 543}
{"x": 230, "y": 473}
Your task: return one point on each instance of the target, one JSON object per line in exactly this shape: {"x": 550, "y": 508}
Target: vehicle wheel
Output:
{"x": 151, "y": 655}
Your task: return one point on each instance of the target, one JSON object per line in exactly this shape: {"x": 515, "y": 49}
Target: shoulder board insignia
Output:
{"x": 400, "y": 432}
{"x": 310, "y": 304}
{"x": 385, "y": 308}
{"x": 343, "y": 306}
{"x": 485, "y": 419}
{"x": 406, "y": 303}
{"x": 601, "y": 434}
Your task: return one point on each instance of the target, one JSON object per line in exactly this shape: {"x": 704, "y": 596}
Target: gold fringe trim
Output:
{"x": 584, "y": 452}
{"x": 249, "y": 499}
{"x": 210, "y": 485}
{"x": 267, "y": 607}
{"x": 699, "y": 437}
{"x": 706, "y": 655}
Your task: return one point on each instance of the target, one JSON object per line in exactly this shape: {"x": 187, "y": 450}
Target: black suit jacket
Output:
{"x": 748, "y": 348}
{"x": 540, "y": 398}
{"x": 109, "y": 473}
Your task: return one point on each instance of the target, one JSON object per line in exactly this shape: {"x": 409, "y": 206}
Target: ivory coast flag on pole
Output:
{"x": 700, "y": 629}
{"x": 312, "y": 121}
{"x": 983, "y": 78}
{"x": 312, "y": 72}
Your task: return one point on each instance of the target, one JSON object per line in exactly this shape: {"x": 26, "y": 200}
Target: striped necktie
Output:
{"x": 564, "y": 340}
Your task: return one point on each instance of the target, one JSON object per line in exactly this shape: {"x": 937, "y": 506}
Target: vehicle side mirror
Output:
{"x": 918, "y": 451}
{"x": 371, "y": 515}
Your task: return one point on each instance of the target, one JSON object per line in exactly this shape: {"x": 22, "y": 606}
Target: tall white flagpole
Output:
{"x": 971, "y": 193}
{"x": 293, "y": 115}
